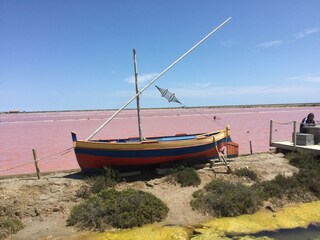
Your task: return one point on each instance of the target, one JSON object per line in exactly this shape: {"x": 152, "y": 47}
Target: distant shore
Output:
{"x": 267, "y": 105}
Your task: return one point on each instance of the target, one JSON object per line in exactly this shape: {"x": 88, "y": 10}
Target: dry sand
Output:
{"x": 44, "y": 205}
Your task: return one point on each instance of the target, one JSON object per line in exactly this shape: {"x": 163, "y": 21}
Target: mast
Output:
{"x": 156, "y": 78}
{"x": 137, "y": 92}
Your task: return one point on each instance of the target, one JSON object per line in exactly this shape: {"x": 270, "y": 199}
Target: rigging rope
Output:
{"x": 171, "y": 97}
{"x": 212, "y": 120}
{"x": 41, "y": 159}
{"x": 15, "y": 167}
{"x": 282, "y": 123}
{"x": 56, "y": 154}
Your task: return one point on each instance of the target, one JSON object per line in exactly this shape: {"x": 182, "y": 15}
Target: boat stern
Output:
{"x": 232, "y": 149}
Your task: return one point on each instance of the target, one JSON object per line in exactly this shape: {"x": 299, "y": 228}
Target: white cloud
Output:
{"x": 198, "y": 90}
{"x": 275, "y": 43}
{"x": 232, "y": 92}
{"x": 311, "y": 78}
{"x": 142, "y": 78}
{"x": 307, "y": 32}
{"x": 194, "y": 95}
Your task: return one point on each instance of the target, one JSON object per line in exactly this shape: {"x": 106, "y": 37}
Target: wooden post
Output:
{"x": 137, "y": 93}
{"x": 36, "y": 162}
{"x": 294, "y": 135}
{"x": 250, "y": 147}
{"x": 270, "y": 137}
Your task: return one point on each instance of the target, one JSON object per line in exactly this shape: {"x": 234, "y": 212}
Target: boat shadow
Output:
{"x": 149, "y": 172}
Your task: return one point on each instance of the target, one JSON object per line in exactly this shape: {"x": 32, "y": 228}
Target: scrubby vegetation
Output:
{"x": 119, "y": 209}
{"x": 303, "y": 160}
{"x": 280, "y": 187}
{"x": 221, "y": 198}
{"x": 302, "y": 186}
{"x": 9, "y": 225}
{"x": 310, "y": 180}
{"x": 186, "y": 176}
{"x": 308, "y": 176}
{"x": 108, "y": 179}
{"x": 245, "y": 172}
{"x": 107, "y": 207}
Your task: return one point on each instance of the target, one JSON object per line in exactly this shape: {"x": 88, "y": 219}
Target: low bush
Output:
{"x": 119, "y": 209}
{"x": 308, "y": 176}
{"x": 303, "y": 160}
{"x": 9, "y": 225}
{"x": 108, "y": 179}
{"x": 310, "y": 180}
{"x": 224, "y": 199}
{"x": 84, "y": 192}
{"x": 245, "y": 172}
{"x": 281, "y": 186}
{"x": 186, "y": 176}
{"x": 221, "y": 198}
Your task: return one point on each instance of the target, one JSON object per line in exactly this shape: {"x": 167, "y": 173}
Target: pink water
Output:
{"x": 49, "y": 132}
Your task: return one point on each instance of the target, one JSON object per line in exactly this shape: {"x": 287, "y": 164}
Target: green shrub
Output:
{"x": 108, "y": 179}
{"x": 221, "y": 198}
{"x": 86, "y": 214}
{"x": 119, "y": 209}
{"x": 186, "y": 176}
{"x": 245, "y": 172}
{"x": 310, "y": 180}
{"x": 303, "y": 160}
{"x": 309, "y": 166}
{"x": 9, "y": 225}
{"x": 281, "y": 186}
{"x": 84, "y": 192}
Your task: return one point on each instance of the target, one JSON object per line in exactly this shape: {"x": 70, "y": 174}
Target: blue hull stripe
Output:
{"x": 145, "y": 153}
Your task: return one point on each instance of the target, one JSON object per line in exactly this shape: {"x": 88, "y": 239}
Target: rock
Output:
{"x": 55, "y": 189}
{"x": 150, "y": 184}
{"x": 153, "y": 183}
{"x": 269, "y": 206}
{"x": 44, "y": 197}
{"x": 280, "y": 154}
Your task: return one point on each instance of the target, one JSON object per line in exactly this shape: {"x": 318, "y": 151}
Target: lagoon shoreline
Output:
{"x": 53, "y": 196}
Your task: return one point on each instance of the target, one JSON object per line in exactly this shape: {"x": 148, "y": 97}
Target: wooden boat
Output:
{"x": 152, "y": 151}
{"x": 94, "y": 154}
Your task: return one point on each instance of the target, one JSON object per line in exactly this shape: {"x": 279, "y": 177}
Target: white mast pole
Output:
{"x": 156, "y": 78}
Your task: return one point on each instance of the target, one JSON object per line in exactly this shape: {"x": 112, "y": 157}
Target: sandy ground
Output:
{"x": 44, "y": 205}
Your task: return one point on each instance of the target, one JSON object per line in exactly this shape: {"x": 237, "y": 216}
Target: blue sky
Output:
{"x": 77, "y": 55}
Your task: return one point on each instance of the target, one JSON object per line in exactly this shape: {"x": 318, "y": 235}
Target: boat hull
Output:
{"x": 155, "y": 151}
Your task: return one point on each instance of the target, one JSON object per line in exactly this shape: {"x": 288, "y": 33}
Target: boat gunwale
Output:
{"x": 205, "y": 138}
